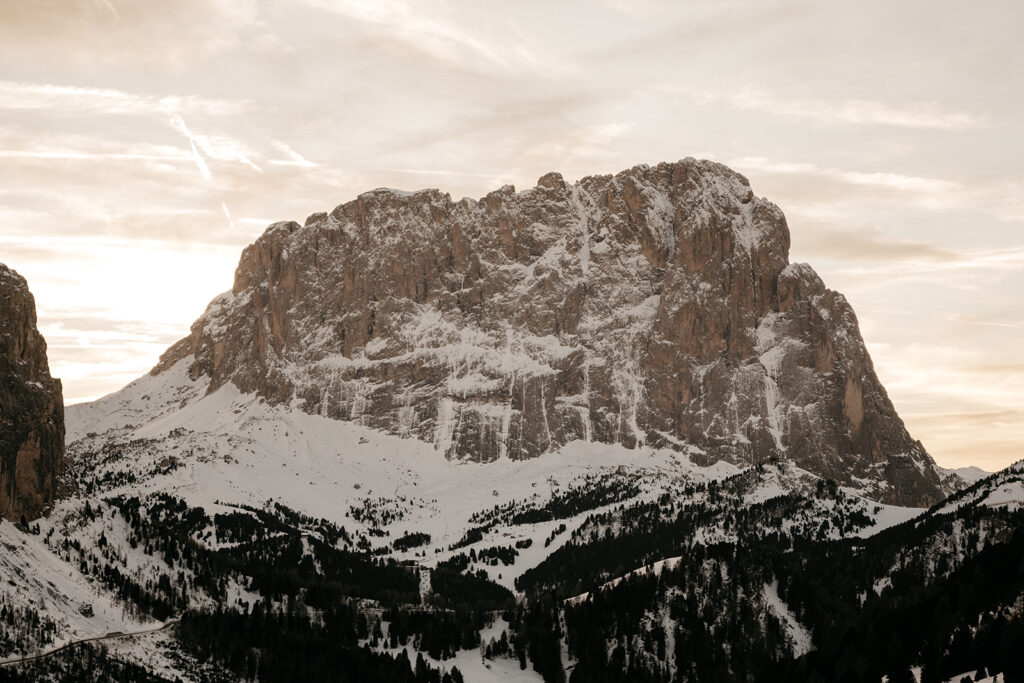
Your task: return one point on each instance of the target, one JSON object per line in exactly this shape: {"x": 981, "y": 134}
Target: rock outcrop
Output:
{"x": 31, "y": 407}
{"x": 656, "y": 307}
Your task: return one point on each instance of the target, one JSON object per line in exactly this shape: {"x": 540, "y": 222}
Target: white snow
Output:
{"x": 1009, "y": 495}
{"x": 236, "y": 448}
{"x": 970, "y": 474}
{"x": 34, "y": 577}
{"x": 472, "y": 664}
{"x": 1006, "y": 488}
{"x": 799, "y": 637}
{"x": 888, "y": 516}
{"x": 653, "y": 569}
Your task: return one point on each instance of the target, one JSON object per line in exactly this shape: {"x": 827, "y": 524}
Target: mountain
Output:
{"x": 311, "y": 486}
{"x": 654, "y": 307}
{"x": 31, "y": 406}
{"x": 940, "y": 594}
{"x": 969, "y": 475}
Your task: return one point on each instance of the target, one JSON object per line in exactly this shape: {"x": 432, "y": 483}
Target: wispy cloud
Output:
{"x": 219, "y": 147}
{"x": 826, "y": 237}
{"x": 407, "y": 24}
{"x": 294, "y": 158}
{"x": 985, "y": 322}
{"x": 71, "y": 155}
{"x": 954, "y": 370}
{"x": 895, "y": 181}
{"x": 813, "y": 184}
{"x": 969, "y": 407}
{"x": 842, "y": 113}
{"x": 984, "y": 261}
{"x": 66, "y": 99}
{"x": 109, "y": 6}
{"x": 128, "y": 34}
{"x": 179, "y": 124}
{"x": 227, "y": 214}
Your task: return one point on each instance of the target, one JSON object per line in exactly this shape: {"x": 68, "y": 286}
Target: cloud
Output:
{"x": 227, "y": 214}
{"x": 95, "y": 34}
{"x": 66, "y": 99}
{"x": 405, "y": 24}
{"x": 72, "y": 155}
{"x": 883, "y": 180}
{"x": 579, "y": 150}
{"x": 117, "y": 324}
{"x": 805, "y": 185}
{"x": 519, "y": 122}
{"x": 179, "y": 123}
{"x": 987, "y": 262}
{"x": 968, "y": 409}
{"x": 832, "y": 239}
{"x": 703, "y": 26}
{"x": 220, "y": 147}
{"x": 988, "y": 439}
{"x": 962, "y": 319}
{"x": 294, "y": 158}
{"x": 842, "y": 113}
{"x": 48, "y": 172}
{"x": 109, "y": 6}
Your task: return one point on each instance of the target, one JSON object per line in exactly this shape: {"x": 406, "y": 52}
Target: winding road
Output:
{"x": 116, "y": 635}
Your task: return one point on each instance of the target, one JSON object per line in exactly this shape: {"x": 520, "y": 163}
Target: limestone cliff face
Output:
{"x": 31, "y": 406}
{"x": 653, "y": 307}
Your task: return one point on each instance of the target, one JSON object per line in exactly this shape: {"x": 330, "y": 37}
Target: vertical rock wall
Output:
{"x": 31, "y": 407}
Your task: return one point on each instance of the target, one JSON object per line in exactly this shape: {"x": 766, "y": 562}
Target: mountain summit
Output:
{"x": 654, "y": 307}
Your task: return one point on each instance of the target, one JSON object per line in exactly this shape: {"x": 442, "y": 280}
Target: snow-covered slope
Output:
{"x": 227, "y": 447}
{"x": 1004, "y": 489}
{"x": 69, "y": 605}
{"x": 969, "y": 474}
{"x": 226, "y": 450}
{"x": 230, "y": 453}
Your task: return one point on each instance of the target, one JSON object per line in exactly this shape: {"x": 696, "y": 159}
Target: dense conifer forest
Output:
{"x": 775, "y": 590}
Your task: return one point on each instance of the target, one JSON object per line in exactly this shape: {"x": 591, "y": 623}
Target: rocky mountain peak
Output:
{"x": 655, "y": 307}
{"x": 31, "y": 406}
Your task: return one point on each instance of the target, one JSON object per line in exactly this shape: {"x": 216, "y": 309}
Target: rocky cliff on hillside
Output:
{"x": 31, "y": 406}
{"x": 654, "y": 307}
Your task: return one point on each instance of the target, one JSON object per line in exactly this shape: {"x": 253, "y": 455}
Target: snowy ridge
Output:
{"x": 1004, "y": 489}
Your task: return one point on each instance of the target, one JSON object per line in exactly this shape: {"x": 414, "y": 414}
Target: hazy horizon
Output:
{"x": 145, "y": 145}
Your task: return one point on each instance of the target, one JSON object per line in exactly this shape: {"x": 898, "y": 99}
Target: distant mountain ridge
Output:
{"x": 969, "y": 475}
{"x": 656, "y": 306}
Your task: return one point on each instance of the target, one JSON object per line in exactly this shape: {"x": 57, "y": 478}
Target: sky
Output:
{"x": 144, "y": 144}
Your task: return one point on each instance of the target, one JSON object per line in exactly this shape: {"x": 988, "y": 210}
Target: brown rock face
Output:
{"x": 656, "y": 306}
{"x": 31, "y": 406}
